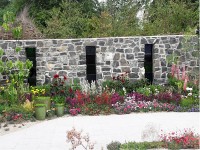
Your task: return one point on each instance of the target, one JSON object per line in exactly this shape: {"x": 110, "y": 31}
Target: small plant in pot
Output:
{"x": 40, "y": 111}
{"x": 59, "y": 105}
{"x": 40, "y": 97}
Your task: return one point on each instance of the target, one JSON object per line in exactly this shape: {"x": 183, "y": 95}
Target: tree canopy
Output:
{"x": 91, "y": 18}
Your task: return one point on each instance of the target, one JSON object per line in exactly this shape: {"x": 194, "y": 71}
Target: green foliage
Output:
{"x": 15, "y": 110}
{"x": 189, "y": 101}
{"x": 59, "y": 99}
{"x": 180, "y": 17}
{"x": 114, "y": 146}
{"x": 141, "y": 145}
{"x": 150, "y": 90}
{"x": 89, "y": 18}
{"x": 2, "y": 108}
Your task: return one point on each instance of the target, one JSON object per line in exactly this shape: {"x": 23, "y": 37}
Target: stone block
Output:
{"x": 72, "y": 62}
{"x": 117, "y": 70}
{"x": 72, "y": 74}
{"x": 120, "y": 50}
{"x": 116, "y": 56}
{"x": 121, "y": 40}
{"x": 82, "y": 57}
{"x": 30, "y": 43}
{"x": 82, "y": 62}
{"x": 144, "y": 41}
{"x": 133, "y": 75}
{"x": 136, "y": 49}
{"x": 103, "y": 49}
{"x": 172, "y": 40}
{"x": 81, "y": 73}
{"x": 134, "y": 70}
{"x": 90, "y": 43}
{"x": 101, "y": 43}
{"x": 105, "y": 69}
{"x": 70, "y": 47}
{"x": 107, "y": 62}
{"x": 128, "y": 51}
{"x": 106, "y": 73}
{"x": 62, "y": 73}
{"x": 72, "y": 54}
{"x": 125, "y": 69}
{"x": 99, "y": 76}
{"x": 4, "y": 46}
{"x": 129, "y": 56}
{"x": 123, "y": 62}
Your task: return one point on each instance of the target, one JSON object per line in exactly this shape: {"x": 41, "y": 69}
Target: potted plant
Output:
{"x": 59, "y": 105}
{"x": 40, "y": 97}
{"x": 40, "y": 111}
{"x": 44, "y": 100}
{"x": 58, "y": 93}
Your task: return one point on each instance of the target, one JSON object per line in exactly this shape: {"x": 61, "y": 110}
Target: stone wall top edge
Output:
{"x": 156, "y": 36}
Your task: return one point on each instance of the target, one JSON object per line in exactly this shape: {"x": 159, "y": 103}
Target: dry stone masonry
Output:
{"x": 114, "y": 56}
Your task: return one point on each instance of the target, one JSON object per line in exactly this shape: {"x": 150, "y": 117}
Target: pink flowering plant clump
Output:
{"x": 132, "y": 105}
{"x": 115, "y": 97}
{"x": 181, "y": 140}
{"x": 168, "y": 97}
{"x": 74, "y": 111}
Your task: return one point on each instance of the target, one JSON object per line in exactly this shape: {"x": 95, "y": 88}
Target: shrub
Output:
{"x": 141, "y": 145}
{"x": 17, "y": 113}
{"x": 189, "y": 101}
{"x": 168, "y": 97}
{"x": 114, "y": 146}
{"x": 2, "y": 108}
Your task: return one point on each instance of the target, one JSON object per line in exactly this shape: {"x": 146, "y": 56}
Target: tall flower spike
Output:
{"x": 173, "y": 68}
{"x": 183, "y": 73}
{"x": 178, "y": 72}
{"x": 185, "y": 83}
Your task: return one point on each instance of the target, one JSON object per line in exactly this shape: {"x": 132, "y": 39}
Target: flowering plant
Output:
{"x": 77, "y": 139}
{"x": 58, "y": 85}
{"x": 132, "y": 105}
{"x": 123, "y": 77}
{"x": 74, "y": 111}
{"x": 37, "y": 92}
{"x": 185, "y": 139}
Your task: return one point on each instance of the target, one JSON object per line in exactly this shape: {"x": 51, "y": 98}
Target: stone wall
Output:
{"x": 115, "y": 55}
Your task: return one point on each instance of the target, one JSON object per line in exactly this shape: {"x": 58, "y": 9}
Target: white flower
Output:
{"x": 189, "y": 89}
{"x": 189, "y": 94}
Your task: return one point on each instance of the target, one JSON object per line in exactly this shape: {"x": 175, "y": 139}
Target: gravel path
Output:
{"x": 51, "y": 134}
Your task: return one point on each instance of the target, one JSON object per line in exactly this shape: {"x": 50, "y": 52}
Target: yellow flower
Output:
{"x": 7, "y": 81}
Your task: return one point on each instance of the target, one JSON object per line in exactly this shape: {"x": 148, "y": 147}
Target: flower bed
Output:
{"x": 118, "y": 96}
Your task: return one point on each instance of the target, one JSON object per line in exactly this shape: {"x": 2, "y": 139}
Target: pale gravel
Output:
{"x": 51, "y": 134}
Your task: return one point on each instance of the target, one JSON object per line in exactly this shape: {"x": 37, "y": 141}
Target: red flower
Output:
{"x": 56, "y": 76}
{"x": 65, "y": 78}
{"x": 70, "y": 90}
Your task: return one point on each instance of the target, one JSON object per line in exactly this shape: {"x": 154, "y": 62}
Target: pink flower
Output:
{"x": 173, "y": 69}
{"x": 183, "y": 74}
{"x": 185, "y": 83}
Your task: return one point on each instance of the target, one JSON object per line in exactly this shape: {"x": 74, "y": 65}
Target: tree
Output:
{"x": 66, "y": 21}
{"x": 179, "y": 17}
